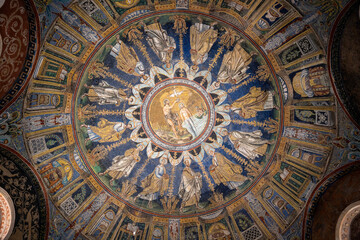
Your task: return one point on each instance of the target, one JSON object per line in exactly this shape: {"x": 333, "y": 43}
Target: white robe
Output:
{"x": 190, "y": 187}
{"x": 161, "y": 43}
{"x": 123, "y": 165}
{"x": 249, "y": 144}
{"x": 106, "y": 94}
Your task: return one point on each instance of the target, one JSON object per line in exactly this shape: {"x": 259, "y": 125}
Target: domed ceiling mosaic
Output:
{"x": 180, "y": 120}
{"x": 184, "y": 118}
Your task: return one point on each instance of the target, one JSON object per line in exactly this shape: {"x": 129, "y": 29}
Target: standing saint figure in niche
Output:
{"x": 256, "y": 100}
{"x": 123, "y": 165}
{"x": 234, "y": 65}
{"x": 202, "y": 38}
{"x": 224, "y": 171}
{"x": 160, "y": 42}
{"x": 105, "y": 131}
{"x": 250, "y": 144}
{"x": 126, "y": 59}
{"x": 104, "y": 94}
{"x": 155, "y": 183}
{"x": 190, "y": 187}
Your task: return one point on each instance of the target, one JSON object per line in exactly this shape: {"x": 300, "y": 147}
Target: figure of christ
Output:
{"x": 170, "y": 117}
{"x": 187, "y": 122}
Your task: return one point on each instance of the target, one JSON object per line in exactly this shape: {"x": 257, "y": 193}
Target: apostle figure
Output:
{"x": 190, "y": 186}
{"x": 104, "y": 93}
{"x": 256, "y": 100}
{"x": 224, "y": 171}
{"x": 105, "y": 131}
{"x": 156, "y": 182}
{"x": 123, "y": 165}
{"x": 234, "y": 65}
{"x": 249, "y": 144}
{"x": 126, "y": 59}
{"x": 202, "y": 38}
{"x": 160, "y": 42}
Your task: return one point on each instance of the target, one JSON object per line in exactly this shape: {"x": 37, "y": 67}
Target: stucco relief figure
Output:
{"x": 160, "y": 42}
{"x": 234, "y": 65}
{"x": 190, "y": 187}
{"x": 155, "y": 183}
{"x": 250, "y": 144}
{"x": 224, "y": 171}
{"x": 127, "y": 59}
{"x": 123, "y": 165}
{"x": 202, "y": 38}
{"x": 256, "y": 100}
{"x": 105, "y": 131}
{"x": 104, "y": 94}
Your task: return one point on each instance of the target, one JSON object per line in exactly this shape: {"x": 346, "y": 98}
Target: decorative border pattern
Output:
{"x": 39, "y": 188}
{"x": 318, "y": 192}
{"x": 334, "y": 65}
{"x": 30, "y": 59}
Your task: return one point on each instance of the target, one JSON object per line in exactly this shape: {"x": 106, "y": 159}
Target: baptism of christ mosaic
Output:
{"x": 177, "y": 114}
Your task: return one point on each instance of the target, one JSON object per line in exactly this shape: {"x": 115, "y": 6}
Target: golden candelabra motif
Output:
{"x": 169, "y": 202}
{"x": 226, "y": 40}
{"x": 180, "y": 28}
{"x": 127, "y": 189}
{"x": 172, "y": 178}
{"x": 210, "y": 184}
{"x": 272, "y": 125}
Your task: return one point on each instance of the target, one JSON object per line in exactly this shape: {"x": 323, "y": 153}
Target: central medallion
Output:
{"x": 178, "y": 114}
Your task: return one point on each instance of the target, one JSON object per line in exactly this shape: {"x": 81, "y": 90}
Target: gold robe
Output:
{"x": 153, "y": 183}
{"x": 127, "y": 59}
{"x": 201, "y": 42}
{"x": 234, "y": 65}
{"x": 225, "y": 171}
{"x": 248, "y": 105}
{"x": 106, "y": 131}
